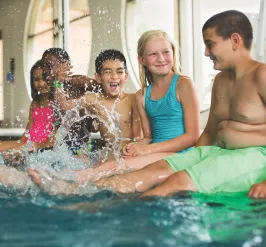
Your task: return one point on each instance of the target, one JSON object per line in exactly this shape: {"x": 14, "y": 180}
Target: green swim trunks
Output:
{"x": 214, "y": 169}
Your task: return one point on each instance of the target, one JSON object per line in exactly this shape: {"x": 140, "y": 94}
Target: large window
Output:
{"x": 44, "y": 30}
{"x": 145, "y": 15}
{"x": 80, "y": 36}
{"x": 39, "y": 34}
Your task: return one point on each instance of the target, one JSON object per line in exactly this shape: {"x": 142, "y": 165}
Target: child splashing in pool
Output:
{"x": 53, "y": 68}
{"x": 111, "y": 74}
{"x": 57, "y": 70}
{"x": 39, "y": 133}
{"x": 40, "y": 130}
{"x": 167, "y": 105}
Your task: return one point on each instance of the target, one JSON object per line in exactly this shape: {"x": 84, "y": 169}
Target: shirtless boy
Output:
{"x": 231, "y": 152}
{"x": 111, "y": 74}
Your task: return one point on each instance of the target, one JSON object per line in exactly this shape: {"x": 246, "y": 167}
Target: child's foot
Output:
{"x": 35, "y": 177}
{"x": 12, "y": 178}
{"x": 52, "y": 185}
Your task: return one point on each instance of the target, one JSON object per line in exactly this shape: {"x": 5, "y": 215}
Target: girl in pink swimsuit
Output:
{"x": 41, "y": 118}
{"x": 41, "y": 124}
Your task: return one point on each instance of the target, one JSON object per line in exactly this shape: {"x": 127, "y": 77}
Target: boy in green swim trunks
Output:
{"x": 231, "y": 153}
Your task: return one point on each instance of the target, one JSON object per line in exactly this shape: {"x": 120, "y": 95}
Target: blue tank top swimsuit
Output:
{"x": 166, "y": 114}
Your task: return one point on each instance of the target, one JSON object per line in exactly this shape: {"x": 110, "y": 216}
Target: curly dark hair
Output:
{"x": 60, "y": 53}
{"x": 110, "y": 54}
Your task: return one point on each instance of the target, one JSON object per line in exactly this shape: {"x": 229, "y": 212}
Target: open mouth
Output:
{"x": 114, "y": 85}
{"x": 213, "y": 59}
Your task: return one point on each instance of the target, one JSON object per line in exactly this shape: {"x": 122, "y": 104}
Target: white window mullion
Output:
{"x": 260, "y": 47}
{"x": 57, "y": 21}
{"x": 65, "y": 27}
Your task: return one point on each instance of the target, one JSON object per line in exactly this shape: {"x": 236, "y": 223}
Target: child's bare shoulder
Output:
{"x": 222, "y": 75}
{"x": 260, "y": 73}
{"x": 126, "y": 96}
{"x": 183, "y": 79}
{"x": 221, "y": 78}
{"x": 33, "y": 104}
{"x": 139, "y": 94}
{"x": 184, "y": 83}
{"x": 129, "y": 97}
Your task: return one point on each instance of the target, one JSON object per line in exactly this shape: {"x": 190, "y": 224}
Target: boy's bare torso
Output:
{"x": 239, "y": 108}
{"x": 123, "y": 106}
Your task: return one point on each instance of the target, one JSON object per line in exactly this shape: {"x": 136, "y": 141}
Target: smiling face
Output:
{"x": 113, "y": 77}
{"x": 39, "y": 83}
{"x": 158, "y": 56}
{"x": 219, "y": 50}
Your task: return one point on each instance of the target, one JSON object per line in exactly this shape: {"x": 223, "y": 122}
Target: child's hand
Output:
{"x": 124, "y": 150}
{"x": 135, "y": 149}
{"x": 258, "y": 190}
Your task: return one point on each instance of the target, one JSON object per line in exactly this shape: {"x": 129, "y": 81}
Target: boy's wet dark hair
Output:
{"x": 34, "y": 93}
{"x": 110, "y": 54}
{"x": 61, "y": 54}
{"x": 229, "y": 22}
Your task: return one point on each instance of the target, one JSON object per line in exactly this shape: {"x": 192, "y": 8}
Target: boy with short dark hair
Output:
{"x": 111, "y": 74}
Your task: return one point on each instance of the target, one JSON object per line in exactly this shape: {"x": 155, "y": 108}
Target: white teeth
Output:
{"x": 114, "y": 84}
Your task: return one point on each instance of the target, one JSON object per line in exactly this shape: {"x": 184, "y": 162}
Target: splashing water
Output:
{"x": 60, "y": 162}
{"x": 110, "y": 120}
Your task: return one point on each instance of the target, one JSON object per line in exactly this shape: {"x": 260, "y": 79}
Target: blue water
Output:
{"x": 186, "y": 219}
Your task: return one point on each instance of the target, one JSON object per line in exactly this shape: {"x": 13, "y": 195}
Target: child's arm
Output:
{"x": 6, "y": 145}
{"x": 208, "y": 136}
{"x": 23, "y": 138}
{"x": 145, "y": 124}
{"x": 84, "y": 81}
{"x": 62, "y": 102}
{"x": 144, "y": 119}
{"x": 136, "y": 124}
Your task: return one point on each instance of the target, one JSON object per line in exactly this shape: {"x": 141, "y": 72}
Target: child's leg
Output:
{"x": 177, "y": 182}
{"x": 138, "y": 181}
{"x": 111, "y": 167}
{"x": 11, "y": 177}
{"x": 126, "y": 183}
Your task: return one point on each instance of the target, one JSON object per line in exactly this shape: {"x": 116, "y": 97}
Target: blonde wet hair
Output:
{"x": 145, "y": 75}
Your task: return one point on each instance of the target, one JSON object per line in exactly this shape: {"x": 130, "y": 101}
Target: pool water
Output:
{"x": 107, "y": 219}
